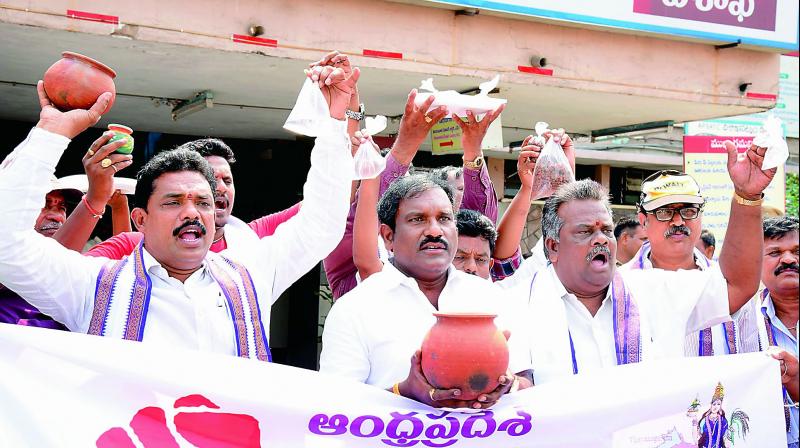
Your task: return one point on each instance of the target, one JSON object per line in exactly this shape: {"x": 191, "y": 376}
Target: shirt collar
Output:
{"x": 152, "y": 265}
{"x": 557, "y": 287}
{"x": 700, "y": 259}
{"x": 768, "y": 307}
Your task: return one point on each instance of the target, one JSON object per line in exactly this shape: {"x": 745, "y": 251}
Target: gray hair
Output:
{"x": 582, "y": 190}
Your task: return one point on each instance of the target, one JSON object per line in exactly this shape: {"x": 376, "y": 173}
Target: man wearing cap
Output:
{"x": 670, "y": 211}
{"x": 13, "y": 308}
{"x": 583, "y": 314}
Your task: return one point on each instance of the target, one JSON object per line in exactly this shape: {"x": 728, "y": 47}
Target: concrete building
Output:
{"x": 605, "y": 69}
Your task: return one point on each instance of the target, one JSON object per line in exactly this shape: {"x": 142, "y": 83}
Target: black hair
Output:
{"x": 174, "y": 160}
{"x": 776, "y": 228}
{"x": 474, "y": 224}
{"x": 708, "y": 238}
{"x": 210, "y": 147}
{"x": 444, "y": 172}
{"x": 404, "y": 188}
{"x": 624, "y": 224}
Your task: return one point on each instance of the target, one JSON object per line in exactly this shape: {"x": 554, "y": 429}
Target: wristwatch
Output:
{"x": 475, "y": 164}
{"x": 357, "y": 116}
{"x": 743, "y": 201}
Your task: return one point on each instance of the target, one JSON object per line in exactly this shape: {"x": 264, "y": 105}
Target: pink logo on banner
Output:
{"x": 201, "y": 429}
{"x": 741, "y": 13}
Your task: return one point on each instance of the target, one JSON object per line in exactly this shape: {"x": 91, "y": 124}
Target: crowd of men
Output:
{"x": 396, "y": 249}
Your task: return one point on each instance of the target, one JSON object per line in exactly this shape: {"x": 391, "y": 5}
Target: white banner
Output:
{"x": 73, "y": 390}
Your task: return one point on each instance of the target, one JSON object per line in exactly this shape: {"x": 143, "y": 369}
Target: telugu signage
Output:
{"x": 705, "y": 159}
{"x": 446, "y": 136}
{"x": 63, "y": 389}
{"x": 761, "y": 23}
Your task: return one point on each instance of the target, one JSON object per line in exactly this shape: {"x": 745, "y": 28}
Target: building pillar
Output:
{"x": 497, "y": 174}
{"x": 602, "y": 174}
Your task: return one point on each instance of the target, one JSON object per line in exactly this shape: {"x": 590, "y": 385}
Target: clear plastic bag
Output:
{"x": 458, "y": 103}
{"x": 771, "y": 137}
{"x": 552, "y": 168}
{"x": 368, "y": 161}
{"x": 310, "y": 115}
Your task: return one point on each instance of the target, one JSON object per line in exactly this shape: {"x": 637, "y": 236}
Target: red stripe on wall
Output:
{"x": 92, "y": 17}
{"x": 382, "y": 54}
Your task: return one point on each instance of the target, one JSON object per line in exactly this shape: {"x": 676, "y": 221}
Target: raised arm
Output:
{"x": 479, "y": 194}
{"x": 81, "y": 222}
{"x": 365, "y": 225}
{"x": 741, "y": 255}
{"x": 314, "y": 232}
{"x": 509, "y": 231}
{"x": 52, "y": 278}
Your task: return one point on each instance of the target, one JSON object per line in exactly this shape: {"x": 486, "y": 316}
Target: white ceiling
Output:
{"x": 253, "y": 92}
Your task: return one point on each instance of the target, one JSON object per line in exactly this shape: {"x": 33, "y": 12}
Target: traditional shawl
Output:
{"x": 122, "y": 297}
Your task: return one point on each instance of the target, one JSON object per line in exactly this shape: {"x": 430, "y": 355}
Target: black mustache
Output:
{"x": 596, "y": 250}
{"x": 674, "y": 230}
{"x": 434, "y": 239}
{"x": 187, "y": 224}
{"x": 786, "y": 267}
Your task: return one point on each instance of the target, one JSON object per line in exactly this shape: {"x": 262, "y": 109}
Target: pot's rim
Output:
{"x": 465, "y": 314}
{"x": 90, "y": 61}
{"x": 119, "y": 127}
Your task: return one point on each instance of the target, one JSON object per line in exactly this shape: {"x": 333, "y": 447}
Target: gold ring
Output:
{"x": 115, "y": 167}
{"x": 105, "y": 163}
{"x": 430, "y": 394}
{"x": 428, "y": 119}
{"x": 784, "y": 368}
{"x": 91, "y": 153}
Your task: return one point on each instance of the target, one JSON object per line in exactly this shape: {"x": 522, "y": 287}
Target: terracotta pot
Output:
{"x": 75, "y": 81}
{"x": 464, "y": 351}
{"x": 122, "y": 132}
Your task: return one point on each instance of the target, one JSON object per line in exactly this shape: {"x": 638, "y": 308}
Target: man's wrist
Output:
{"x": 748, "y": 198}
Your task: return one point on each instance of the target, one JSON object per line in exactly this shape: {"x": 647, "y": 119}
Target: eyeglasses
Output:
{"x": 666, "y": 214}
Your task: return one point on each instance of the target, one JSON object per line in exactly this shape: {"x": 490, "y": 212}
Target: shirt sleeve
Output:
{"x": 56, "y": 280}
{"x": 343, "y": 351}
{"x": 479, "y": 192}
{"x": 301, "y": 242}
{"x": 340, "y": 269}
{"x": 503, "y": 268}
{"x": 117, "y": 247}
{"x": 266, "y": 225}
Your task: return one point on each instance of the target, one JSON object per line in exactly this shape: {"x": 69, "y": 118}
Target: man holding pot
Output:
{"x": 372, "y": 331}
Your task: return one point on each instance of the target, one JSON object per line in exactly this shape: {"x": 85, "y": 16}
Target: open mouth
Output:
{"x": 190, "y": 234}
{"x": 599, "y": 260}
{"x": 433, "y": 247}
{"x": 220, "y": 203}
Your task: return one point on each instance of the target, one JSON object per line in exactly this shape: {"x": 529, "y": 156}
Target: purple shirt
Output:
{"x": 15, "y": 310}
{"x": 339, "y": 267}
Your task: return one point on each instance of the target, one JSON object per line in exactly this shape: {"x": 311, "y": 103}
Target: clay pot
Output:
{"x": 464, "y": 351}
{"x": 122, "y": 132}
{"x": 75, "y": 81}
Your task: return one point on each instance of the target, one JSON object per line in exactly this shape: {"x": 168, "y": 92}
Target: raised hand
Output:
{"x": 749, "y": 180}
{"x": 415, "y": 126}
{"x": 101, "y": 178}
{"x": 526, "y": 162}
{"x": 337, "y": 81}
{"x": 71, "y": 123}
{"x": 473, "y": 131}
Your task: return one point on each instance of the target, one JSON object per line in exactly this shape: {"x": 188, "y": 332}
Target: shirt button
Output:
{"x": 395, "y": 175}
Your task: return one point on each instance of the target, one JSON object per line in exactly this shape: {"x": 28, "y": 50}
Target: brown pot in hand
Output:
{"x": 464, "y": 351}
{"x": 75, "y": 81}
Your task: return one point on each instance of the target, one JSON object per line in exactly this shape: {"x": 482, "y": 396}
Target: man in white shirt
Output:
{"x": 780, "y": 307}
{"x": 582, "y": 315}
{"x": 199, "y": 300}
{"x": 671, "y": 214}
{"x": 372, "y": 331}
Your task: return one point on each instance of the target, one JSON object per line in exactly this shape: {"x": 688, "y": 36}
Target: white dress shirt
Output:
{"x": 192, "y": 314}
{"x": 671, "y": 305}
{"x": 787, "y": 340}
{"x": 372, "y": 331}
{"x": 746, "y": 333}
